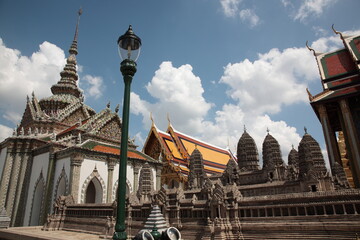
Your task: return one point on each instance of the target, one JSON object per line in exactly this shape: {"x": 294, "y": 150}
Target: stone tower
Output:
{"x": 247, "y": 153}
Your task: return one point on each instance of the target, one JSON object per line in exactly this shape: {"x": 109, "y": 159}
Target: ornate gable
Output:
{"x": 72, "y": 114}
{"x": 105, "y": 124}
{"x": 152, "y": 146}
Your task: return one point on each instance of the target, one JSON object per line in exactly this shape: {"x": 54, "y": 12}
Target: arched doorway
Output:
{"x": 94, "y": 191}
{"x": 37, "y": 203}
{"x": 61, "y": 189}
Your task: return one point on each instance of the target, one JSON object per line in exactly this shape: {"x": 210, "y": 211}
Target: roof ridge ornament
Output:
{"x": 305, "y": 129}
{"x": 311, "y": 49}
{"x": 168, "y": 118}
{"x": 311, "y": 97}
{"x": 337, "y": 32}
{"x": 152, "y": 119}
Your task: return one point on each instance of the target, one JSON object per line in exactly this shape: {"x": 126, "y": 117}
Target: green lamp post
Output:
{"x": 129, "y": 49}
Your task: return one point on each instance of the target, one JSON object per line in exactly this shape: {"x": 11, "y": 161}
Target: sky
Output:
{"x": 214, "y": 67}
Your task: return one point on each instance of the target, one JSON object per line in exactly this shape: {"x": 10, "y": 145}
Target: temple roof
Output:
{"x": 177, "y": 148}
{"x": 339, "y": 70}
{"x": 112, "y": 149}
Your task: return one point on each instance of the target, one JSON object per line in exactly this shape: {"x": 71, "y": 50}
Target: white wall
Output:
{"x": 59, "y": 165}
{"x": 40, "y": 164}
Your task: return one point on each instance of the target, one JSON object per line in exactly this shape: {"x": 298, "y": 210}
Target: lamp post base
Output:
{"x": 119, "y": 236}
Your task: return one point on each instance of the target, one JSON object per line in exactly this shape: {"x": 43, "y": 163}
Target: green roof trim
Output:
{"x": 354, "y": 48}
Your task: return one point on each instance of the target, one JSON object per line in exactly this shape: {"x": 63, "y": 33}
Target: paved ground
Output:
{"x": 35, "y": 233}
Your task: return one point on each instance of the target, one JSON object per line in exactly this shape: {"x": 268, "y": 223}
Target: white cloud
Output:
{"x": 230, "y": 7}
{"x": 250, "y": 17}
{"x": 276, "y": 78}
{"x": 259, "y": 88}
{"x": 21, "y": 75}
{"x": 329, "y": 44}
{"x": 93, "y": 86}
{"x": 5, "y": 132}
{"x": 178, "y": 92}
{"x": 310, "y": 8}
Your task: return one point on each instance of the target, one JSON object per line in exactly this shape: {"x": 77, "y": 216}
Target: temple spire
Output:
{"x": 73, "y": 47}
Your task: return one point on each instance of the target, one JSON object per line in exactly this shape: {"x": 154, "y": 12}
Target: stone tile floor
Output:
{"x": 30, "y": 233}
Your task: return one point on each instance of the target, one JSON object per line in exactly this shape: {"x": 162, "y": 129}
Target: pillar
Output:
{"x": 75, "y": 166}
{"x": 136, "y": 177}
{"x": 21, "y": 190}
{"x": 330, "y": 139}
{"x": 12, "y": 185}
{"x": 158, "y": 178}
{"x": 49, "y": 185}
{"x": 111, "y": 164}
{"x": 355, "y": 210}
{"x": 10, "y": 156}
{"x": 352, "y": 141}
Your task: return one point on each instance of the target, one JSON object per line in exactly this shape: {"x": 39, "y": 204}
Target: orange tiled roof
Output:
{"x": 114, "y": 150}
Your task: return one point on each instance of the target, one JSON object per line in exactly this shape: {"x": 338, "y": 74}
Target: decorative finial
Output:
{"x": 310, "y": 49}
{"x": 244, "y": 128}
{"x": 337, "y": 32}
{"x": 73, "y": 48}
{"x": 168, "y": 118}
{"x": 267, "y": 130}
{"x": 151, "y": 118}
{"x": 292, "y": 146}
{"x": 311, "y": 97}
{"x": 305, "y": 129}
{"x": 108, "y": 105}
{"x": 27, "y": 98}
{"x": 117, "y": 108}
{"x": 195, "y": 146}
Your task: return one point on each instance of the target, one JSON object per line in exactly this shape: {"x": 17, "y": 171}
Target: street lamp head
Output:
{"x": 129, "y": 45}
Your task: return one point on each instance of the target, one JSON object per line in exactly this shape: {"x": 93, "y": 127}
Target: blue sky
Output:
{"x": 213, "y": 65}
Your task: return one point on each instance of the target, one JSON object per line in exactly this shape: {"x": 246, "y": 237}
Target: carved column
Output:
{"x": 158, "y": 178}
{"x": 136, "y": 176}
{"x": 22, "y": 187}
{"x": 75, "y": 166}
{"x": 49, "y": 185}
{"x": 352, "y": 142}
{"x": 111, "y": 165}
{"x": 6, "y": 177}
{"x": 13, "y": 183}
{"x": 330, "y": 139}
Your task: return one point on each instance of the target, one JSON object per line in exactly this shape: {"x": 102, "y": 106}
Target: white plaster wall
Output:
{"x": 2, "y": 160}
{"x": 40, "y": 163}
{"x": 87, "y": 168}
{"x": 129, "y": 178}
{"x": 60, "y": 164}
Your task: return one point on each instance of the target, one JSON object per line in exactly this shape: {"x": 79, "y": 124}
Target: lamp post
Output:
{"x": 129, "y": 49}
